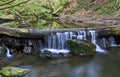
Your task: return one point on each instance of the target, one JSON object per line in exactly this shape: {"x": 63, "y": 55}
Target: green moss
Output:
{"x": 12, "y": 71}
{"x": 81, "y": 47}
{"x": 39, "y": 7}
{"x": 108, "y": 8}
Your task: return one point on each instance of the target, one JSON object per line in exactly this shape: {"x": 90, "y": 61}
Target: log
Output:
{"x": 16, "y": 32}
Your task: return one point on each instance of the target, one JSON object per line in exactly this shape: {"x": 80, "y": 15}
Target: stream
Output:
{"x": 105, "y": 63}
{"x": 100, "y": 65}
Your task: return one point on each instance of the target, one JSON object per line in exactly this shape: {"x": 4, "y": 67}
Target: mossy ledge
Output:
{"x": 109, "y": 31}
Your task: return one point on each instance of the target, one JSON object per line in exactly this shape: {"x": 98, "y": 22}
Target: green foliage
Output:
{"x": 44, "y": 24}
{"x": 108, "y": 8}
{"x": 39, "y": 7}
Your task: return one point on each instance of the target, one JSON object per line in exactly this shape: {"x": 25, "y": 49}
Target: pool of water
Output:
{"x": 103, "y": 64}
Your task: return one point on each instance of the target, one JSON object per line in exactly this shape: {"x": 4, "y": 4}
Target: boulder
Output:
{"x": 46, "y": 54}
{"x": 81, "y": 47}
{"x": 13, "y": 72}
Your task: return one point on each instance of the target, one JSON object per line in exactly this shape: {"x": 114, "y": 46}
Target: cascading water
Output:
{"x": 8, "y": 55}
{"x": 57, "y": 42}
{"x": 93, "y": 40}
{"x": 109, "y": 42}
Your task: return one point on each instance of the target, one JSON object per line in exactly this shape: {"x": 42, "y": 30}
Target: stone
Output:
{"x": 109, "y": 31}
{"x": 0, "y": 75}
{"x": 46, "y": 54}
{"x": 2, "y": 51}
{"x": 13, "y": 72}
{"x": 81, "y": 47}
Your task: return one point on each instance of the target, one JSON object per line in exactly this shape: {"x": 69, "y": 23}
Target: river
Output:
{"x": 105, "y": 64}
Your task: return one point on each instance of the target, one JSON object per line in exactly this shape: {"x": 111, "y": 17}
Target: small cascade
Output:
{"x": 112, "y": 41}
{"x": 57, "y": 42}
{"x": 93, "y": 40}
{"x": 8, "y": 55}
{"x": 108, "y": 42}
{"x": 82, "y": 35}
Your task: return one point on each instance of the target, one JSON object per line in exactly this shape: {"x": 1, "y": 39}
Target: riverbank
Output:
{"x": 87, "y": 20}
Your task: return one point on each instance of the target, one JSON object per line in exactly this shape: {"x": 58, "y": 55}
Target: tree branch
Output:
{"x": 14, "y": 5}
{"x": 7, "y": 3}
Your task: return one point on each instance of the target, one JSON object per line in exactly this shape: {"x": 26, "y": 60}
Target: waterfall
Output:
{"x": 57, "y": 42}
{"x": 108, "y": 42}
{"x": 112, "y": 41}
{"x": 8, "y": 53}
{"x": 93, "y": 40}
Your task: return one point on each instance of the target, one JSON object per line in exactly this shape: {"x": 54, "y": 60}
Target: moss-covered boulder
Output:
{"x": 81, "y": 47}
{"x": 13, "y": 72}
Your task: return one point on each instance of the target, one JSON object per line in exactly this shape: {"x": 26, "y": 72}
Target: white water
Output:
{"x": 93, "y": 40}
{"x": 57, "y": 42}
{"x": 108, "y": 42}
{"x": 57, "y": 51}
{"x": 8, "y": 55}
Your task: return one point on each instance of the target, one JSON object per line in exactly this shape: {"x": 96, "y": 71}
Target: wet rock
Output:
{"x": 0, "y": 75}
{"x": 27, "y": 49}
{"x": 81, "y": 47}
{"x": 13, "y": 72}
{"x": 2, "y": 51}
{"x": 46, "y": 54}
{"x": 109, "y": 31}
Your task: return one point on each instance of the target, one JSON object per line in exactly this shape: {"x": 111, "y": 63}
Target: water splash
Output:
{"x": 57, "y": 51}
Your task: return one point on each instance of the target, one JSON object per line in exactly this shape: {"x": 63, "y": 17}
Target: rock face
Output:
{"x": 81, "y": 47}
{"x": 2, "y": 51}
{"x": 13, "y": 72}
{"x": 109, "y": 31}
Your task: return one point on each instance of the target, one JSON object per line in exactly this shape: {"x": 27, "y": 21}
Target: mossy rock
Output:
{"x": 81, "y": 47}
{"x": 109, "y": 31}
{"x": 13, "y": 72}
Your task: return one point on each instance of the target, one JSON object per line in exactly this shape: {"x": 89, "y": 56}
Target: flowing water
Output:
{"x": 8, "y": 53}
{"x": 105, "y": 64}
{"x": 100, "y": 65}
{"x": 57, "y": 42}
